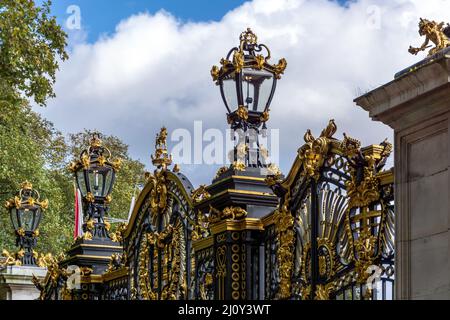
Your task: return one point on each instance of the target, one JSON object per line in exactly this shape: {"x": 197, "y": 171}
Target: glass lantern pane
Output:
{"x": 26, "y": 217}
{"x": 81, "y": 182}
{"x": 37, "y": 218}
{"x": 108, "y": 182}
{"x": 96, "y": 182}
{"x": 229, "y": 93}
{"x": 14, "y": 219}
{"x": 257, "y": 88}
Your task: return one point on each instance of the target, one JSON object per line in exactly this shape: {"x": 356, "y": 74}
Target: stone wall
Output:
{"x": 417, "y": 106}
{"x": 16, "y": 282}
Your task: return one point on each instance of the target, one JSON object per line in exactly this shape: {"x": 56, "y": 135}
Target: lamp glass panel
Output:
{"x": 100, "y": 179}
{"x": 108, "y": 182}
{"x": 228, "y": 86}
{"x": 26, "y": 217}
{"x": 81, "y": 182}
{"x": 96, "y": 181}
{"x": 14, "y": 219}
{"x": 257, "y": 88}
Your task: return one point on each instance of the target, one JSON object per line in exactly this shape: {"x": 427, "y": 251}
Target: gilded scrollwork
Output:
{"x": 340, "y": 183}
{"x": 284, "y": 223}
{"x": 119, "y": 234}
{"x": 238, "y": 165}
{"x": 12, "y": 259}
{"x": 248, "y": 41}
{"x": 221, "y": 171}
{"x": 315, "y": 151}
{"x": 233, "y": 213}
{"x": 200, "y": 194}
{"x": 200, "y": 227}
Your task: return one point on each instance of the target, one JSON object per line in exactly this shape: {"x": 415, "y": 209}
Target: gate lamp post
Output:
{"x": 247, "y": 84}
{"x": 25, "y": 210}
{"x": 95, "y": 176}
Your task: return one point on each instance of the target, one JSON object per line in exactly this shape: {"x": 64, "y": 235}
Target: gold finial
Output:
{"x": 248, "y": 38}
{"x": 161, "y": 158}
{"x": 248, "y": 54}
{"x": 434, "y": 32}
{"x": 26, "y": 185}
{"x": 95, "y": 141}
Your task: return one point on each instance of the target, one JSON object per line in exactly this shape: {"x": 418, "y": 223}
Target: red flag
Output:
{"x": 77, "y": 231}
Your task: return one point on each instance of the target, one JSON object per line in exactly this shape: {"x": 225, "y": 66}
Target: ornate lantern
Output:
{"x": 247, "y": 81}
{"x": 247, "y": 84}
{"x": 26, "y": 212}
{"x": 95, "y": 175}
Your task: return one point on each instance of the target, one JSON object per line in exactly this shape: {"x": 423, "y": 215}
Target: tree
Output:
{"x": 31, "y": 42}
{"x": 31, "y": 149}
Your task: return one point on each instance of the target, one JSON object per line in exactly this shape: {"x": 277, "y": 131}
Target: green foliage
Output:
{"x": 31, "y": 149}
{"x": 26, "y": 143}
{"x": 30, "y": 44}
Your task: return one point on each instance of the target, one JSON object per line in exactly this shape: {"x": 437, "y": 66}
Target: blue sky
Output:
{"x": 102, "y": 16}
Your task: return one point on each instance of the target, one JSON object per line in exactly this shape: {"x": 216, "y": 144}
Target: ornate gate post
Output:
{"x": 236, "y": 203}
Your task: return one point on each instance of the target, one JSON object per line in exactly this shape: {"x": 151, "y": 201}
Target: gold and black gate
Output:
{"x": 325, "y": 231}
{"x": 333, "y": 235}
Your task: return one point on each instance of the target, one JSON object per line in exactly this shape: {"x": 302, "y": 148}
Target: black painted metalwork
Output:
{"x": 95, "y": 176}
{"x": 25, "y": 211}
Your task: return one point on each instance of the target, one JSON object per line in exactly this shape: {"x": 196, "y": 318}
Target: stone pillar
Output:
{"x": 416, "y": 104}
{"x": 16, "y": 282}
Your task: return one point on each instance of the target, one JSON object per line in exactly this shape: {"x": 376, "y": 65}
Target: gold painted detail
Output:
{"x": 119, "y": 234}
{"x": 265, "y": 116}
{"x": 434, "y": 32}
{"x": 314, "y": 152}
{"x": 145, "y": 289}
{"x": 32, "y": 198}
{"x": 360, "y": 209}
{"x": 54, "y": 272}
{"x": 161, "y": 158}
{"x": 323, "y": 291}
{"x": 101, "y": 159}
{"x": 221, "y": 270}
{"x": 206, "y": 285}
{"x": 200, "y": 194}
{"x": 158, "y": 191}
{"x": 200, "y": 228}
{"x": 117, "y": 261}
{"x": 158, "y": 180}
{"x": 90, "y": 197}
{"x": 233, "y": 213}
{"x": 242, "y": 112}
{"x": 273, "y": 170}
{"x": 12, "y": 259}
{"x": 240, "y": 60}
{"x": 284, "y": 228}
{"x": 172, "y": 243}
{"x": 239, "y": 166}
{"x": 237, "y": 225}
{"x": 365, "y": 190}
{"x": 221, "y": 171}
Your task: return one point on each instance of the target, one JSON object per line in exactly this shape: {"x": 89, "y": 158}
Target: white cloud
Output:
{"x": 154, "y": 70}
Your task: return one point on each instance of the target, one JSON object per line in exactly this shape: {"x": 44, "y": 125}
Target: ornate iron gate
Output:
{"x": 336, "y": 222}
{"x": 330, "y": 236}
